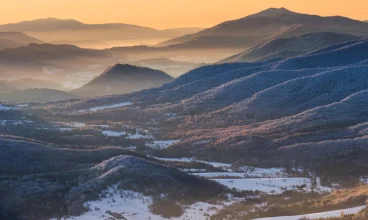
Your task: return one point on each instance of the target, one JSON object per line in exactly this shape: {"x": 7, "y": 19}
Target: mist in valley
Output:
{"x": 263, "y": 117}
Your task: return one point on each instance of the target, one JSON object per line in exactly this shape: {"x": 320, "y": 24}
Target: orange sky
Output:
{"x": 169, "y": 13}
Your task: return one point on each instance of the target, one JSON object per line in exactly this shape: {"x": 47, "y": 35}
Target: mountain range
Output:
{"x": 279, "y": 128}
{"x": 263, "y": 109}
{"x": 269, "y": 34}
{"x": 273, "y": 23}
{"x": 53, "y": 30}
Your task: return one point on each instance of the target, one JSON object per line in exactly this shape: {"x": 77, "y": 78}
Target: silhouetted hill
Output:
{"x": 36, "y": 95}
{"x": 16, "y": 39}
{"x": 173, "y": 67}
{"x": 123, "y": 79}
{"x": 51, "y": 29}
{"x": 46, "y": 60}
{"x": 27, "y": 83}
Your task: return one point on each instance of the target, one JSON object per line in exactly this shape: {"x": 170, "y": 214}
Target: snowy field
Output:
{"x": 247, "y": 171}
{"x": 135, "y": 206}
{"x": 268, "y": 180}
{"x": 335, "y": 213}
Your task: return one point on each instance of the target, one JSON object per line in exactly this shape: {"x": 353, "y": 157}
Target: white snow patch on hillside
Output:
{"x": 225, "y": 166}
{"x": 255, "y": 172}
{"x": 140, "y": 135}
{"x": 247, "y": 171}
{"x": 182, "y": 159}
{"x": 193, "y": 170}
{"x": 135, "y": 206}
{"x": 5, "y": 108}
{"x": 329, "y": 214}
{"x": 161, "y": 144}
{"x": 77, "y": 124}
{"x": 65, "y": 129}
{"x": 114, "y": 133}
{"x": 215, "y": 175}
{"x": 14, "y": 122}
{"x": 94, "y": 109}
{"x": 271, "y": 185}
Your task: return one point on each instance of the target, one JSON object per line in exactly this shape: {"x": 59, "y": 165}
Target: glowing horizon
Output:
{"x": 163, "y": 14}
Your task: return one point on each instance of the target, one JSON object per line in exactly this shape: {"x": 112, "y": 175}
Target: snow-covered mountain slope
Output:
{"x": 337, "y": 55}
{"x": 242, "y": 88}
{"x": 304, "y": 93}
{"x": 290, "y": 47}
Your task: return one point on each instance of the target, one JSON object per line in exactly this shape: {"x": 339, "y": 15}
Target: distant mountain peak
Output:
{"x": 54, "y": 20}
{"x": 274, "y": 12}
{"x": 120, "y": 68}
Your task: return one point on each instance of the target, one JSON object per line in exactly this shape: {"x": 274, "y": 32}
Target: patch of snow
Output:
{"x": 193, "y": 170}
{"x": 131, "y": 148}
{"x": 255, "y": 172}
{"x": 225, "y": 166}
{"x": 77, "y": 124}
{"x": 94, "y": 109}
{"x": 183, "y": 159}
{"x": 14, "y": 122}
{"x": 161, "y": 144}
{"x": 100, "y": 126}
{"x": 135, "y": 206}
{"x": 215, "y": 175}
{"x": 171, "y": 115}
{"x": 6, "y": 108}
{"x": 114, "y": 133}
{"x": 202, "y": 142}
{"x": 72, "y": 124}
{"x": 336, "y": 213}
{"x": 139, "y": 135}
{"x": 65, "y": 129}
{"x": 271, "y": 185}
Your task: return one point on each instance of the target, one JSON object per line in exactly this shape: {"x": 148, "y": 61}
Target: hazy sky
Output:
{"x": 169, "y": 13}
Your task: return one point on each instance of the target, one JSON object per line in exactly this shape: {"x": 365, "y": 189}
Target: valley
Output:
{"x": 259, "y": 118}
